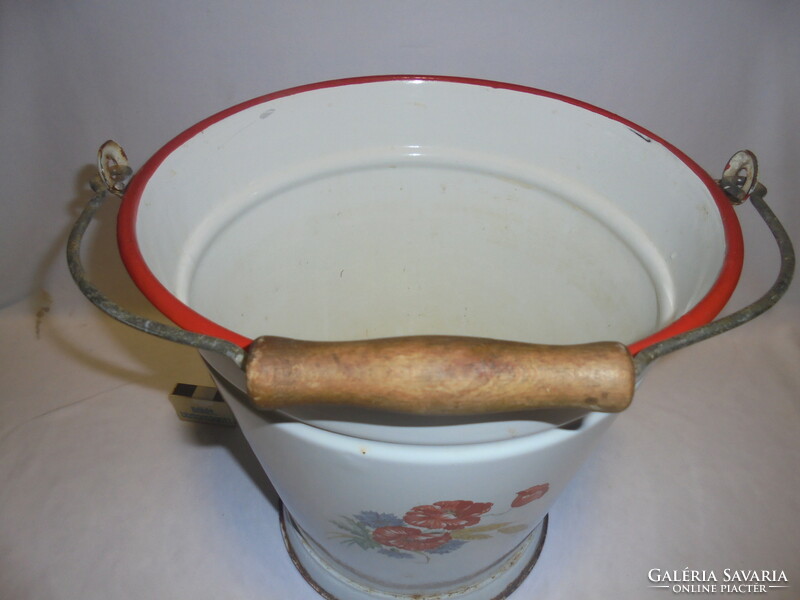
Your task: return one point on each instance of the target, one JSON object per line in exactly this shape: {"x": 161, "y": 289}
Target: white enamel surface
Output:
{"x": 424, "y": 245}
{"x": 405, "y": 207}
{"x": 323, "y": 476}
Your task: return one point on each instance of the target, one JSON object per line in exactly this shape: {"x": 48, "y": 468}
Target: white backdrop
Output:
{"x": 711, "y": 77}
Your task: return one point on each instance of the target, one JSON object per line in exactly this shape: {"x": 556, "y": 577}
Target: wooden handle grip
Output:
{"x": 439, "y": 374}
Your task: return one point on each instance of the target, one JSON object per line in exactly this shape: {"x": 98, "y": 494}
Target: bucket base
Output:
{"x": 332, "y": 585}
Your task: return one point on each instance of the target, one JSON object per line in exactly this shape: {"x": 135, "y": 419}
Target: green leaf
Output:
{"x": 467, "y": 534}
{"x": 486, "y": 527}
{"x": 513, "y": 528}
{"x": 359, "y": 534}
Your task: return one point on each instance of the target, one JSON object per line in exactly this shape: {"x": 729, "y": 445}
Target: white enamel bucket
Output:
{"x": 404, "y": 206}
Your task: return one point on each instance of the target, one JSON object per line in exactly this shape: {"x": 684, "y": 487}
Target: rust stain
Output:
{"x": 45, "y": 302}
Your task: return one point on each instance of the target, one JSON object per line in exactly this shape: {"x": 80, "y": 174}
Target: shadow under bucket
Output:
{"x": 431, "y": 217}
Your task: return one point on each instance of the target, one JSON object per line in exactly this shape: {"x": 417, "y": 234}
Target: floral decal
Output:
{"x": 410, "y": 538}
{"x": 447, "y": 515}
{"x": 529, "y": 495}
{"x": 430, "y": 529}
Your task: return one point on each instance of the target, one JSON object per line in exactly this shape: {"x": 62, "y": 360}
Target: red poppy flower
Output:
{"x": 529, "y": 495}
{"x": 409, "y": 538}
{"x": 449, "y": 515}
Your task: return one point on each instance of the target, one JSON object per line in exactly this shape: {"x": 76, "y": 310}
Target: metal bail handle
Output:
{"x": 740, "y": 184}
{"x": 112, "y": 178}
{"x": 437, "y": 374}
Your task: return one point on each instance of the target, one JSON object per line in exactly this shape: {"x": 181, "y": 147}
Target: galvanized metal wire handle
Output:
{"x": 113, "y": 174}
{"x": 437, "y": 374}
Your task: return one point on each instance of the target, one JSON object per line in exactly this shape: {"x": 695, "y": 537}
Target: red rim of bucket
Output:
{"x": 702, "y": 313}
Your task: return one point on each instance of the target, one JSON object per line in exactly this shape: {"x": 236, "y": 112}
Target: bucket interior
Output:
{"x": 421, "y": 246}
{"x": 409, "y": 206}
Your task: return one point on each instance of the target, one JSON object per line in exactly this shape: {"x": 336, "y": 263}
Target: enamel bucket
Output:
{"x": 386, "y": 207}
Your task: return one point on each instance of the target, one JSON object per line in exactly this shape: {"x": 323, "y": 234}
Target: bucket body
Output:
{"x": 399, "y": 206}
{"x": 416, "y": 520}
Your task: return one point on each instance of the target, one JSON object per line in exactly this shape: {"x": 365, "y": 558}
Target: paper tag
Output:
{"x": 201, "y": 404}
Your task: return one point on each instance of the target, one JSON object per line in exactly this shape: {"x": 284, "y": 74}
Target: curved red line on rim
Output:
{"x": 703, "y": 312}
